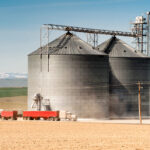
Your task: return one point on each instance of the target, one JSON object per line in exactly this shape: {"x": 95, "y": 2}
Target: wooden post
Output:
{"x": 139, "y": 102}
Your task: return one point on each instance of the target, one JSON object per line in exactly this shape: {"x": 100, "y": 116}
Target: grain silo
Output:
{"x": 127, "y": 67}
{"x": 72, "y": 75}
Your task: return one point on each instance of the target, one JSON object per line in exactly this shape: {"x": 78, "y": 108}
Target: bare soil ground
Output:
{"x": 44, "y": 135}
{"x": 14, "y": 103}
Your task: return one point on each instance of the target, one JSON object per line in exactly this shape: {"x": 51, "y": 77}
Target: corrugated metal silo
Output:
{"x": 72, "y": 75}
{"x": 127, "y": 67}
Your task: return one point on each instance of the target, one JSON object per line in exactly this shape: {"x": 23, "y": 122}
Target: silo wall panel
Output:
{"x": 34, "y": 76}
{"x": 124, "y": 75}
{"x": 77, "y": 83}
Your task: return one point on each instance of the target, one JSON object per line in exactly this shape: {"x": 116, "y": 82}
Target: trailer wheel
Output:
{"x": 51, "y": 119}
{"x": 15, "y": 118}
{"x": 30, "y": 118}
{"x": 37, "y": 118}
{"x": 56, "y": 119}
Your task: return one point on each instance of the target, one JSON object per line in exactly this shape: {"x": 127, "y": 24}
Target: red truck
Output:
{"x": 37, "y": 115}
{"x": 46, "y": 115}
{"x": 5, "y": 115}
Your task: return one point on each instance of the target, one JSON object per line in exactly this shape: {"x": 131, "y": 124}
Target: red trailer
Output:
{"x": 5, "y": 115}
{"x": 46, "y": 115}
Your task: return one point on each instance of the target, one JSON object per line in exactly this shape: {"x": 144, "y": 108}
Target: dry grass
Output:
{"x": 13, "y": 103}
{"x": 38, "y": 135}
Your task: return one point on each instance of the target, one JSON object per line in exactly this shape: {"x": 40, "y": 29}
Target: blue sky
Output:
{"x": 20, "y": 22}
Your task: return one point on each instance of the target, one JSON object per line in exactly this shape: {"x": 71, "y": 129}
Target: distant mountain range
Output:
{"x": 13, "y": 76}
{"x": 13, "y": 79}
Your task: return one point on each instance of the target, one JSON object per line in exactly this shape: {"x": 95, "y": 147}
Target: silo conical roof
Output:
{"x": 68, "y": 44}
{"x": 115, "y": 47}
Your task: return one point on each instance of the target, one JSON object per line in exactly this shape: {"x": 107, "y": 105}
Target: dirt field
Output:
{"x": 38, "y": 135}
{"x": 15, "y": 103}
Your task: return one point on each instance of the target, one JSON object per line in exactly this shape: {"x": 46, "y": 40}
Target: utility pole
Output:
{"x": 139, "y": 101}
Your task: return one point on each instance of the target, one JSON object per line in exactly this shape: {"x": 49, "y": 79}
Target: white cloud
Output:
{"x": 13, "y": 75}
{"x": 4, "y": 75}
